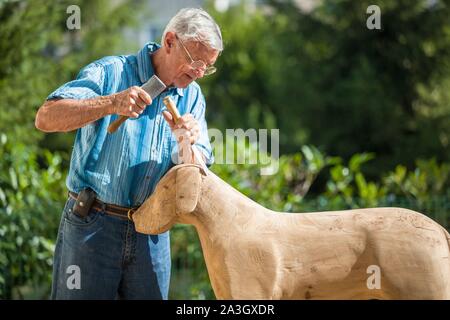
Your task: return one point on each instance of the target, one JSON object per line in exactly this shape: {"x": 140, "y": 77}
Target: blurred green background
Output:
{"x": 364, "y": 115}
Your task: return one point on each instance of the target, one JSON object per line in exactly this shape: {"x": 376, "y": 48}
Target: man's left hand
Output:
{"x": 186, "y": 122}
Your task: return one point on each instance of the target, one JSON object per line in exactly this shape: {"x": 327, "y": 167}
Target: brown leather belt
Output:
{"x": 111, "y": 209}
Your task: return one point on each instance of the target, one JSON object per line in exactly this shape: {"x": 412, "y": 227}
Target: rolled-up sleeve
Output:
{"x": 88, "y": 84}
{"x": 198, "y": 111}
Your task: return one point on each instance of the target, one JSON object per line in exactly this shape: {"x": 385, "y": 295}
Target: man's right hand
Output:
{"x": 130, "y": 102}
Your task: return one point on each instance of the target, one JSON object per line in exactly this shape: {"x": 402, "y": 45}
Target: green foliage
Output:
{"x": 189, "y": 276}
{"x": 32, "y": 194}
{"x": 39, "y": 53}
{"x": 24, "y": 72}
{"x": 282, "y": 191}
{"x": 348, "y": 183}
{"x": 429, "y": 178}
{"x": 248, "y": 75}
{"x": 324, "y": 79}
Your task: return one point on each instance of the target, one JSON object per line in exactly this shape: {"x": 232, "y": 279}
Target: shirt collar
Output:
{"x": 145, "y": 67}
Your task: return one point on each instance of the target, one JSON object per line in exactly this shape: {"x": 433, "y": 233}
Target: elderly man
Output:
{"x": 99, "y": 254}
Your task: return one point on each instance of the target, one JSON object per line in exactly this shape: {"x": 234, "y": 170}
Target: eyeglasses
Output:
{"x": 198, "y": 64}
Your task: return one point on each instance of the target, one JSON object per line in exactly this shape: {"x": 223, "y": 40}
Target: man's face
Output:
{"x": 190, "y": 61}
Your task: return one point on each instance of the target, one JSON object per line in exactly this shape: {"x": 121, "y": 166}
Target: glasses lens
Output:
{"x": 210, "y": 70}
{"x": 198, "y": 65}
{"x": 201, "y": 65}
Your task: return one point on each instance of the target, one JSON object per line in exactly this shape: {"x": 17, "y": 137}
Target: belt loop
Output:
{"x": 103, "y": 207}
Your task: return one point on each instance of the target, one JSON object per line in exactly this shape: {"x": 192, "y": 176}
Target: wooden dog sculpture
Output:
{"x": 255, "y": 253}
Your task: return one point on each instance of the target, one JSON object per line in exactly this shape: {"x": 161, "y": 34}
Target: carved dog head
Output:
{"x": 177, "y": 193}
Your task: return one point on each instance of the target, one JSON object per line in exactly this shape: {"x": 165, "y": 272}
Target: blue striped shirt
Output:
{"x": 123, "y": 168}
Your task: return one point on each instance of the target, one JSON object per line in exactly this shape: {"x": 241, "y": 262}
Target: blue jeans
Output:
{"x": 103, "y": 257}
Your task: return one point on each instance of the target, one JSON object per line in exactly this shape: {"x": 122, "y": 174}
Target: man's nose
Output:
{"x": 200, "y": 72}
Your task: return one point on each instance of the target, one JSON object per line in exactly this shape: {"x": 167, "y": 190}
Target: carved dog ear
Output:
{"x": 188, "y": 182}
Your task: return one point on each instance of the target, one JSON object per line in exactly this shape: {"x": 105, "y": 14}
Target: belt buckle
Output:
{"x": 130, "y": 213}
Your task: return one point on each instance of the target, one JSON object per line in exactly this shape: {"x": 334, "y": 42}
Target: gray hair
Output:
{"x": 197, "y": 25}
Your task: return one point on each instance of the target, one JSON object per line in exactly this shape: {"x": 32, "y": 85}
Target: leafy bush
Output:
{"x": 31, "y": 200}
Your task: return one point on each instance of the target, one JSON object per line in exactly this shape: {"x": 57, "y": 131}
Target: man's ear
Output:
{"x": 169, "y": 40}
{"x": 188, "y": 184}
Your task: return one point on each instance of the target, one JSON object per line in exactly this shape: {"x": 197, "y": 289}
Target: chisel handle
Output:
{"x": 116, "y": 124}
{"x": 172, "y": 108}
